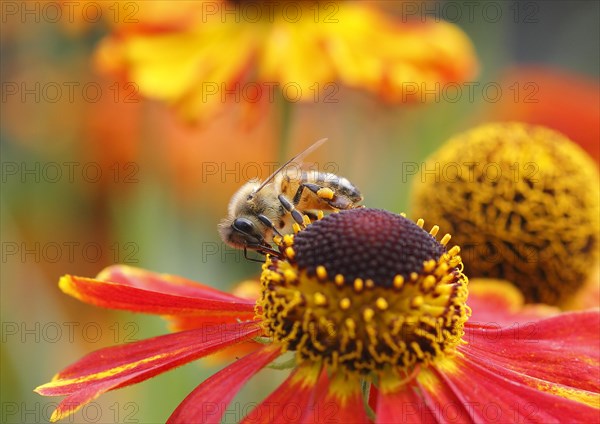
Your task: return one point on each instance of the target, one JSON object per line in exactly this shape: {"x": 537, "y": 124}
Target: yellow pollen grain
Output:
{"x": 288, "y": 239}
{"x": 368, "y": 314}
{"x": 403, "y": 214}
{"x": 339, "y": 279}
{"x": 289, "y": 251}
{"x": 398, "y": 281}
{"x": 420, "y": 222}
{"x": 321, "y": 272}
{"x": 345, "y": 303}
{"x": 416, "y": 302}
{"x": 369, "y": 283}
{"x": 320, "y": 299}
{"x": 325, "y": 193}
{"x": 434, "y": 230}
{"x": 381, "y": 303}
{"x": 320, "y": 214}
{"x": 277, "y": 240}
{"x": 358, "y": 284}
{"x": 296, "y": 228}
{"x": 454, "y": 251}
{"x": 444, "y": 241}
{"x": 305, "y": 220}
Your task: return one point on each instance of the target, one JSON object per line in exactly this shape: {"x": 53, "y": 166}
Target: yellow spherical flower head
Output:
{"x": 365, "y": 292}
{"x": 522, "y": 201}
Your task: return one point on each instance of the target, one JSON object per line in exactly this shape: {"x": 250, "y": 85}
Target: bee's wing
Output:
{"x": 300, "y": 155}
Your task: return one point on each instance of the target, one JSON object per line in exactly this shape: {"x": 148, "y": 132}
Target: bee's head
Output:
{"x": 242, "y": 232}
{"x": 241, "y": 228}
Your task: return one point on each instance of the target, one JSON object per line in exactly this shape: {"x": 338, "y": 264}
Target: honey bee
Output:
{"x": 260, "y": 210}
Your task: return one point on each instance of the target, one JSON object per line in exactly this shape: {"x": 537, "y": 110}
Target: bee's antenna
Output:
{"x": 305, "y": 152}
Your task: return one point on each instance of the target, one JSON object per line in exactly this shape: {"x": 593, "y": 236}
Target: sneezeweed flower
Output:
{"x": 245, "y": 52}
{"x": 522, "y": 202}
{"x": 371, "y": 304}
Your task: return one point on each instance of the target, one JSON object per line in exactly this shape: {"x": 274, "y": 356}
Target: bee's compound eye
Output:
{"x": 243, "y": 225}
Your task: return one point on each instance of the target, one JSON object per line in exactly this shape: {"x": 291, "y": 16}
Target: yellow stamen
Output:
{"x": 398, "y": 281}
{"x": 444, "y": 241}
{"x": 321, "y": 272}
{"x": 454, "y": 251}
{"x": 416, "y": 302}
{"x": 429, "y": 282}
{"x": 429, "y": 266}
{"x": 320, "y": 299}
{"x": 289, "y": 251}
{"x": 288, "y": 239}
{"x": 381, "y": 303}
{"x": 289, "y": 275}
{"x": 358, "y": 284}
{"x": 345, "y": 303}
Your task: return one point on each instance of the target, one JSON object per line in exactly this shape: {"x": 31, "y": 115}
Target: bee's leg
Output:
{"x": 265, "y": 220}
{"x": 291, "y": 209}
{"x": 325, "y": 194}
{"x": 251, "y": 259}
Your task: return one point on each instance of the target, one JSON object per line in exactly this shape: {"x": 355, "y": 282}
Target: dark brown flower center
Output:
{"x": 366, "y": 243}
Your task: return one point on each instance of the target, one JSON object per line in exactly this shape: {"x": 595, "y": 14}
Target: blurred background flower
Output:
{"x": 236, "y": 51}
{"x": 97, "y": 168}
{"x": 522, "y": 202}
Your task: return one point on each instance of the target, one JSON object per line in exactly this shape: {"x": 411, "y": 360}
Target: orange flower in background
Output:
{"x": 554, "y": 98}
{"x": 370, "y": 303}
{"x": 246, "y": 52}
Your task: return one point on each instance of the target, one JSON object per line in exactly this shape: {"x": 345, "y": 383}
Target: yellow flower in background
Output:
{"x": 522, "y": 201}
{"x": 247, "y": 52}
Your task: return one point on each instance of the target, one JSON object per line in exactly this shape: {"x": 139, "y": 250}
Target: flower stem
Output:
{"x": 285, "y": 126}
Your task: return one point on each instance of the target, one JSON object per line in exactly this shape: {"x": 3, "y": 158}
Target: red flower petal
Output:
{"x": 120, "y": 296}
{"x": 208, "y": 402}
{"x": 123, "y": 365}
{"x": 162, "y": 283}
{"x": 403, "y": 406}
{"x": 339, "y": 399}
{"x": 561, "y": 349}
{"x": 289, "y": 402}
{"x": 490, "y": 397}
{"x": 189, "y": 322}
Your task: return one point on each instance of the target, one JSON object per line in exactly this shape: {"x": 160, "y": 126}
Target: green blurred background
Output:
{"x": 96, "y": 179}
